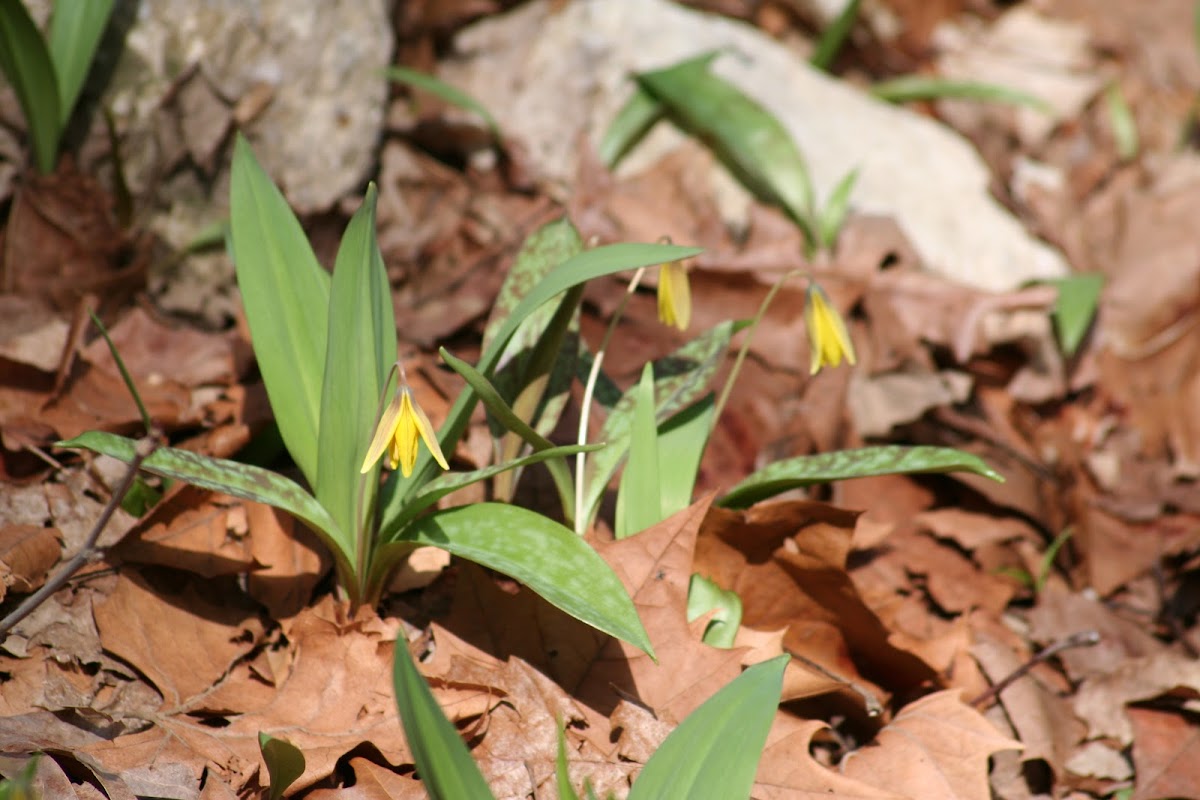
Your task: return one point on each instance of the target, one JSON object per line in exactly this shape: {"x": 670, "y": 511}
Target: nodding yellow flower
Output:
{"x": 827, "y": 336}
{"x": 399, "y": 427}
{"x": 674, "y": 296}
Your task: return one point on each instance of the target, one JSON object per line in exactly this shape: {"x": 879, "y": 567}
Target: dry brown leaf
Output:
{"x": 935, "y": 747}
{"x": 788, "y": 772}
{"x": 194, "y": 530}
{"x": 1100, "y": 701}
{"x": 1166, "y": 754}
{"x": 374, "y": 782}
{"x": 292, "y": 561}
{"x": 27, "y": 552}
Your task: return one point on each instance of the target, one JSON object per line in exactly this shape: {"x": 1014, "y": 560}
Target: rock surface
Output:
{"x": 546, "y": 74}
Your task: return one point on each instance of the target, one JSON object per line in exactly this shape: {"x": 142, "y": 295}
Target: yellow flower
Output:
{"x": 827, "y": 336}
{"x": 402, "y": 423}
{"x": 674, "y": 296}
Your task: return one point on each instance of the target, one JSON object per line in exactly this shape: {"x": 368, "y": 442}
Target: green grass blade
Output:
{"x": 632, "y": 123}
{"x": 681, "y": 443}
{"x": 360, "y": 353}
{"x": 704, "y": 596}
{"x": 285, "y": 763}
{"x": 910, "y": 88}
{"x": 75, "y": 30}
{"x": 587, "y": 265}
{"x": 147, "y": 423}
{"x": 562, "y": 776}
{"x": 831, "y": 41}
{"x": 26, "y": 63}
{"x": 833, "y": 216}
{"x": 863, "y": 462}
{"x": 680, "y": 378}
{"x": 715, "y": 751}
{"x": 747, "y": 137}
{"x": 639, "y": 501}
{"x": 286, "y": 295}
{"x": 1075, "y": 308}
{"x": 1124, "y": 126}
{"x": 444, "y": 91}
{"x": 540, "y": 553}
{"x": 444, "y": 764}
{"x": 230, "y": 477}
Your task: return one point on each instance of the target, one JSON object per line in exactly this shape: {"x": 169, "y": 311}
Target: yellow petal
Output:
{"x": 829, "y": 342}
{"x": 383, "y": 434}
{"x": 429, "y": 435}
{"x": 674, "y": 296}
{"x": 404, "y": 443}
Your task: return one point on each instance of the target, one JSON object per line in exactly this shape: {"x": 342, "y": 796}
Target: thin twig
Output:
{"x": 873, "y": 706}
{"x": 144, "y": 448}
{"x": 1087, "y": 638}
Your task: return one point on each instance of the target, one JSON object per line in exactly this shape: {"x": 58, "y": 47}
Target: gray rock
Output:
{"x": 548, "y": 74}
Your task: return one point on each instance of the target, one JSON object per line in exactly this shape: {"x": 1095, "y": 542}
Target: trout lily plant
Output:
{"x": 329, "y": 375}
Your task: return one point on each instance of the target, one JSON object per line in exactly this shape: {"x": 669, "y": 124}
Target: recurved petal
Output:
{"x": 425, "y": 428}
{"x": 383, "y": 434}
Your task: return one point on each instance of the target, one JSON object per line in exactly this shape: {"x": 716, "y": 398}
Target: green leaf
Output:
{"x": 444, "y": 764}
{"x": 715, "y": 751}
{"x": 832, "y": 39}
{"x": 562, "y": 777}
{"x": 681, "y": 443}
{"x": 577, "y": 270}
{"x": 1075, "y": 308}
{"x": 793, "y": 473}
{"x": 747, "y": 137}
{"x": 444, "y": 91}
{"x": 1124, "y": 126}
{"x": 22, "y": 786}
{"x": 632, "y": 123}
{"x": 909, "y": 88}
{"x": 833, "y": 216}
{"x": 639, "y": 502}
{"x": 540, "y": 553}
{"x": 285, "y": 763}
{"x": 360, "y": 352}
{"x": 26, "y": 63}
{"x": 679, "y": 379}
{"x": 705, "y": 596}
{"x": 75, "y": 30}
{"x": 286, "y": 295}
{"x": 450, "y": 482}
{"x": 229, "y": 477}
{"x": 512, "y": 422}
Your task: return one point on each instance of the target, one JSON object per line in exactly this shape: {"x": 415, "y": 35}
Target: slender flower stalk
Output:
{"x": 403, "y": 423}
{"x": 827, "y": 336}
{"x": 674, "y": 296}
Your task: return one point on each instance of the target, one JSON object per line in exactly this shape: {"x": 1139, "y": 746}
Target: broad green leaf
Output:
{"x": 705, "y": 596}
{"x": 360, "y": 352}
{"x": 793, "y": 473}
{"x": 632, "y": 123}
{"x": 285, "y": 763}
{"x": 286, "y": 295}
{"x": 910, "y": 88}
{"x": 639, "y": 501}
{"x": 679, "y": 379}
{"x": 681, "y": 443}
{"x": 26, "y": 63}
{"x": 833, "y": 216}
{"x": 75, "y": 30}
{"x": 1075, "y": 308}
{"x": 540, "y": 553}
{"x": 747, "y": 137}
{"x": 833, "y": 37}
{"x": 229, "y": 477}
{"x": 439, "y": 88}
{"x": 715, "y": 751}
{"x": 562, "y": 776}
{"x": 575, "y": 271}
{"x": 444, "y": 764}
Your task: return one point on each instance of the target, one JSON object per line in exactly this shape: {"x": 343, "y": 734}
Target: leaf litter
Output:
{"x": 209, "y": 619}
